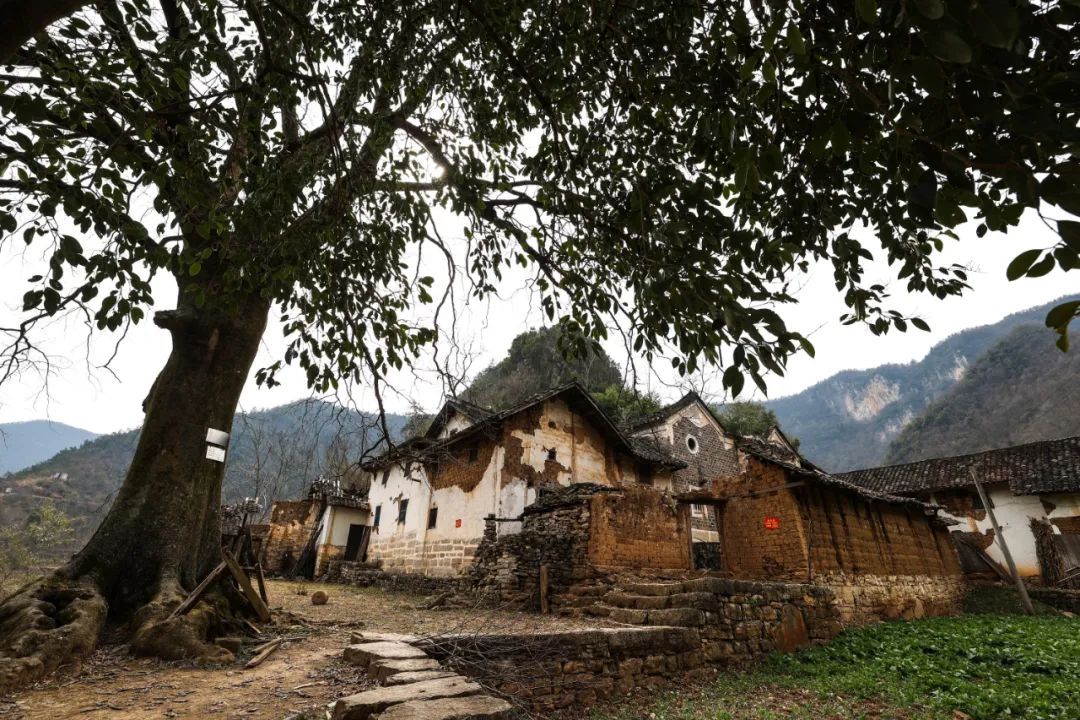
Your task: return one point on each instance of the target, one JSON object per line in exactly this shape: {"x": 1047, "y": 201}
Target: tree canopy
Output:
{"x": 667, "y": 168}
{"x": 748, "y": 418}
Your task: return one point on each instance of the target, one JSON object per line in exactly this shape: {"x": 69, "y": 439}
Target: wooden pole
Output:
{"x": 544, "y": 608}
{"x": 1024, "y": 599}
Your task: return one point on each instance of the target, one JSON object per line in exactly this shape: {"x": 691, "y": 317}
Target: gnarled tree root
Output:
{"x": 183, "y": 637}
{"x": 58, "y": 621}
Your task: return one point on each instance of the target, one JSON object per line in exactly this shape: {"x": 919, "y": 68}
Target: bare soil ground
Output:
{"x": 303, "y": 676}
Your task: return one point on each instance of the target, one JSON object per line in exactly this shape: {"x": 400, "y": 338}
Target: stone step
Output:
{"x": 370, "y": 703}
{"x": 381, "y": 670}
{"x": 678, "y": 617}
{"x": 363, "y": 654}
{"x": 697, "y": 600}
{"x": 654, "y": 589}
{"x": 366, "y": 636}
{"x": 475, "y": 707}
{"x": 404, "y": 678}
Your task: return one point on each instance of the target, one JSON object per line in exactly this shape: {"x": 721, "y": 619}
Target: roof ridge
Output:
{"x": 961, "y": 456}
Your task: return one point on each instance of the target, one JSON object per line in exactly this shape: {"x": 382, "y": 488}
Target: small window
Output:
{"x": 551, "y": 424}
{"x": 645, "y": 475}
{"x": 403, "y": 508}
{"x": 692, "y": 444}
{"x": 385, "y": 476}
{"x": 551, "y": 454}
{"x": 432, "y": 517}
{"x": 474, "y": 453}
{"x": 378, "y": 514}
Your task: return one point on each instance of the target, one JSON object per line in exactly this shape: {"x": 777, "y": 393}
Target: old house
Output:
{"x": 1034, "y": 490}
{"x": 431, "y": 497}
{"x": 332, "y": 523}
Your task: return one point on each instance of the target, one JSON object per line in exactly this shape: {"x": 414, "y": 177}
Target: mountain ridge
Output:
{"x": 27, "y": 442}
{"x": 847, "y": 421}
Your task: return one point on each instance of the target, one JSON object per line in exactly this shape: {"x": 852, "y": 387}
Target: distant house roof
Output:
{"x": 472, "y": 411}
{"x": 1047, "y": 466}
{"x": 668, "y": 410}
{"x": 573, "y": 394}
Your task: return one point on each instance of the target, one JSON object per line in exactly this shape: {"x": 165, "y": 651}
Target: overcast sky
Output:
{"x": 82, "y": 394}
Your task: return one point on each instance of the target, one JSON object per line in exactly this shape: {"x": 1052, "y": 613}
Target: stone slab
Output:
{"x": 404, "y": 678}
{"x": 476, "y": 707}
{"x": 367, "y": 636}
{"x": 371, "y": 702}
{"x": 380, "y": 670}
{"x": 366, "y": 653}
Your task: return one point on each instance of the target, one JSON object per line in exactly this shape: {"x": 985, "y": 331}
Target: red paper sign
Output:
{"x": 457, "y": 523}
{"x": 772, "y": 523}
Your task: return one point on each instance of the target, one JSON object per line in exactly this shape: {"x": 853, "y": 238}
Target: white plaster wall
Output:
{"x": 341, "y": 519}
{"x": 1014, "y": 513}
{"x": 454, "y": 425}
{"x": 399, "y": 485}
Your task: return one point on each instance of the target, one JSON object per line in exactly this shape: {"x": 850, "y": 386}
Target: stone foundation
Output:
{"x": 866, "y": 599}
{"x": 548, "y": 671}
{"x": 363, "y": 574}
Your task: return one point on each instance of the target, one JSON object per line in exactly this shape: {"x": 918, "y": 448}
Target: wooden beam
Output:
{"x": 245, "y": 585}
{"x": 200, "y": 590}
{"x": 266, "y": 651}
{"x": 544, "y": 607}
{"x": 262, "y": 582}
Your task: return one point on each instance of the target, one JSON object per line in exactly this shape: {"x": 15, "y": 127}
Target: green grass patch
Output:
{"x": 989, "y": 667}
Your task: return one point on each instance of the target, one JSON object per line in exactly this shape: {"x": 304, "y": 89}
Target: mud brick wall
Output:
{"x": 326, "y": 554}
{"x": 1067, "y": 600}
{"x": 750, "y": 550}
{"x": 852, "y": 535}
{"x": 454, "y": 469}
{"x": 638, "y": 528}
{"x": 291, "y": 525}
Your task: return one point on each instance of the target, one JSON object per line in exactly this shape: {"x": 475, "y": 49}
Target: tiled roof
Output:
{"x": 769, "y": 450}
{"x": 1047, "y": 466}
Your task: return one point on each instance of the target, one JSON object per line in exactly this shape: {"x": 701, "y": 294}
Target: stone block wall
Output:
{"x": 867, "y": 599}
{"x": 507, "y": 567}
{"x": 638, "y": 528}
{"x": 361, "y": 574}
{"x": 548, "y": 671}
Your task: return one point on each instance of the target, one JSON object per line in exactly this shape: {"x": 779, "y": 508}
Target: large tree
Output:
{"x": 667, "y": 168}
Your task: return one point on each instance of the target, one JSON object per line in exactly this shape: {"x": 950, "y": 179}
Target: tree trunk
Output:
{"x": 20, "y": 20}
{"x": 165, "y": 522}
{"x": 162, "y": 534}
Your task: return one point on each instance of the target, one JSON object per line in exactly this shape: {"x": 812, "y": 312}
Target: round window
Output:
{"x": 691, "y": 443}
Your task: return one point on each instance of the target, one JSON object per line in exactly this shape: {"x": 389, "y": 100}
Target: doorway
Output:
{"x": 357, "y": 544}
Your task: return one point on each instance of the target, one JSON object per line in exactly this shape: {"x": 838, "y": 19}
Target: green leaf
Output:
{"x": 1069, "y": 230}
{"x": 949, "y": 213}
{"x": 1022, "y": 263}
{"x": 947, "y": 45}
{"x": 1063, "y": 314}
{"x": 795, "y": 40}
{"x": 921, "y": 324}
{"x": 932, "y": 9}
{"x": 867, "y": 10}
{"x": 995, "y": 23}
{"x": 929, "y": 74}
{"x": 195, "y": 269}
{"x": 1043, "y": 267}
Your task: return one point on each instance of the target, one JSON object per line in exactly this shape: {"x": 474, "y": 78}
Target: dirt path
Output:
{"x": 300, "y": 678}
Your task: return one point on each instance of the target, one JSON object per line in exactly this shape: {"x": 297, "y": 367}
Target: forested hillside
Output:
{"x": 24, "y": 443}
{"x": 1021, "y": 390}
{"x": 273, "y": 453}
{"x": 534, "y": 364}
{"x": 849, "y": 420}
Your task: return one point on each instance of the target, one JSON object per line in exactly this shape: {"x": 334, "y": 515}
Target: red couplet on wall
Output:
{"x": 457, "y": 523}
{"x": 772, "y": 523}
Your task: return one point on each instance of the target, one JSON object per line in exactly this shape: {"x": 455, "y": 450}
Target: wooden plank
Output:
{"x": 245, "y": 585}
{"x": 199, "y": 591}
{"x": 544, "y": 608}
{"x": 262, "y": 582}
{"x": 266, "y": 651}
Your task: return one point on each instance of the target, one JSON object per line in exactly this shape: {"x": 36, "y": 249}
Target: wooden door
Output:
{"x": 356, "y": 546}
